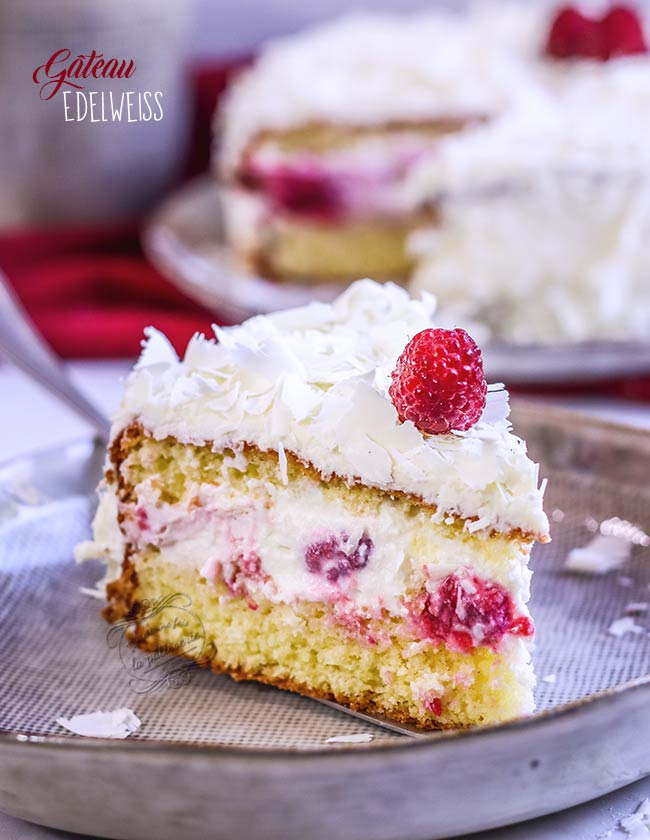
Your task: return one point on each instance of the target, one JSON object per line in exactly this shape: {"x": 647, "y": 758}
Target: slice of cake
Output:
{"x": 338, "y": 495}
{"x": 316, "y": 138}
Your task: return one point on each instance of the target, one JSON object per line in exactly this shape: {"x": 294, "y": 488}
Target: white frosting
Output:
{"x": 314, "y": 381}
{"x": 554, "y": 250}
{"x": 596, "y": 128}
{"x": 374, "y": 68}
{"x": 108, "y": 541}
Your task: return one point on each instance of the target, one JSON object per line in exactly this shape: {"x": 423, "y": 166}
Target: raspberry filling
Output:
{"x": 332, "y": 190}
{"x": 240, "y": 569}
{"x": 298, "y": 190}
{"x": 464, "y": 612}
{"x": 338, "y": 556}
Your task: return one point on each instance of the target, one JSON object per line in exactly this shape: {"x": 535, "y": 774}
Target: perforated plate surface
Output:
{"x": 60, "y": 659}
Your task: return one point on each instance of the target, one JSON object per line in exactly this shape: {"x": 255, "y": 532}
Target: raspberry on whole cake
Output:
{"x": 341, "y": 497}
{"x": 617, "y": 33}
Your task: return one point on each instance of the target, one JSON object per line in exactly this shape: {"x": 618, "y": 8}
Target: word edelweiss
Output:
{"x": 62, "y": 71}
{"x": 106, "y": 107}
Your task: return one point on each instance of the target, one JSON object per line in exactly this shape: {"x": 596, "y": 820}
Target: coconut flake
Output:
{"x": 282, "y": 458}
{"x": 117, "y": 724}
{"x": 156, "y": 349}
{"x": 360, "y": 738}
{"x": 497, "y": 404}
{"x": 637, "y": 825}
{"x": 622, "y": 626}
{"x": 602, "y": 554}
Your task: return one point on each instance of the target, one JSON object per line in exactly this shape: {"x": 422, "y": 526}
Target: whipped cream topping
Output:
{"x": 364, "y": 69}
{"x": 577, "y": 137}
{"x": 314, "y": 381}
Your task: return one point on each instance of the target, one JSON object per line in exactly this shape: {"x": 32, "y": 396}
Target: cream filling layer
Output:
{"x": 303, "y": 541}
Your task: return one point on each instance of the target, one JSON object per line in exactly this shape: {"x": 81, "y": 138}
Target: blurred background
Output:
{"x": 75, "y": 195}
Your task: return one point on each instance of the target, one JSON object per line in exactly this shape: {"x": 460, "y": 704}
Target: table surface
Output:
{"x": 30, "y": 419}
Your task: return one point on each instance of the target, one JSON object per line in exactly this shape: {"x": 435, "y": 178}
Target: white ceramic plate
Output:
{"x": 185, "y": 241}
{"x": 218, "y": 759}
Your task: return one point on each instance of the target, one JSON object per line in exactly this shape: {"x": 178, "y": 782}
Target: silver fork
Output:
{"x": 22, "y": 344}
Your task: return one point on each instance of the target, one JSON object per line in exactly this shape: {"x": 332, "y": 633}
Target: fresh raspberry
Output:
{"x": 622, "y": 33}
{"x": 438, "y": 382}
{"x": 574, "y": 35}
{"x": 336, "y": 556}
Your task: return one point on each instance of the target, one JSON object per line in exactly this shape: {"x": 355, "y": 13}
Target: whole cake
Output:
{"x": 315, "y": 140}
{"x": 339, "y": 494}
{"x": 445, "y": 150}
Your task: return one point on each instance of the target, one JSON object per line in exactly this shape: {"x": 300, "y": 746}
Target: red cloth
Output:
{"x": 91, "y": 292}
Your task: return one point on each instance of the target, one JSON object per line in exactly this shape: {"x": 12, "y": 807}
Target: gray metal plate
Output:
{"x": 233, "y": 749}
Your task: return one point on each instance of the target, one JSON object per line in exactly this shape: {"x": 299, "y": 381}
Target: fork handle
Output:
{"x": 21, "y": 343}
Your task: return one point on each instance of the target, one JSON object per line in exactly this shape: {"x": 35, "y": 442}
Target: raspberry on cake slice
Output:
{"x": 340, "y": 496}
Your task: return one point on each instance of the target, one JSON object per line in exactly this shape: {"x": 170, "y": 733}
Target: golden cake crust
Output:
{"x": 125, "y": 606}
